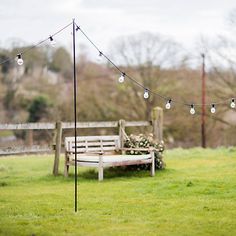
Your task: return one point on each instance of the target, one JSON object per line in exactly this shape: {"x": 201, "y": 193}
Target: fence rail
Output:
{"x": 24, "y": 150}
{"x": 70, "y": 125}
{"x": 58, "y": 127}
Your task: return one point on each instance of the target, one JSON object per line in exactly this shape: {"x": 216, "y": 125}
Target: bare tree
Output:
{"x": 145, "y": 57}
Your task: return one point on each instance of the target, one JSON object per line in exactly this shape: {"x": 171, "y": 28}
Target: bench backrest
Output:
{"x": 92, "y": 143}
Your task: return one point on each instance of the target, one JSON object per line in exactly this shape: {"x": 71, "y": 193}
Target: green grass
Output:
{"x": 195, "y": 195}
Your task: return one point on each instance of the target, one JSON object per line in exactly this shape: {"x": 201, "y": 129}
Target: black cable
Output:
{"x": 126, "y": 75}
{"x": 111, "y": 62}
{"x": 141, "y": 85}
{"x": 36, "y": 45}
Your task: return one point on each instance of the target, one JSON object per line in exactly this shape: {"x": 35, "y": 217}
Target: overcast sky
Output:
{"x": 104, "y": 20}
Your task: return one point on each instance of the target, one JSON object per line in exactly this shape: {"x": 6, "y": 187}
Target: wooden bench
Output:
{"x": 101, "y": 152}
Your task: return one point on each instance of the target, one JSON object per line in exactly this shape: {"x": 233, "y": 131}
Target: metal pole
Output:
{"x": 203, "y": 117}
{"x": 75, "y": 112}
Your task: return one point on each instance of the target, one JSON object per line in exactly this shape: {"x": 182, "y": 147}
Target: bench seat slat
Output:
{"x": 113, "y": 158}
{"x": 127, "y": 163}
{"x": 110, "y": 164}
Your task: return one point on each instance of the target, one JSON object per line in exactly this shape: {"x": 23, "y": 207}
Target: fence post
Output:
{"x": 29, "y": 137}
{"x": 58, "y": 136}
{"x": 157, "y": 123}
{"x": 121, "y": 132}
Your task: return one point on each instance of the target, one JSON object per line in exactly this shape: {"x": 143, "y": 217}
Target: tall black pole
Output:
{"x": 203, "y": 116}
{"x": 75, "y": 112}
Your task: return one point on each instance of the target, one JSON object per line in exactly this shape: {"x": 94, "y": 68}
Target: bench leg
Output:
{"x": 66, "y": 171}
{"x": 100, "y": 168}
{"x": 66, "y": 167}
{"x": 153, "y": 164}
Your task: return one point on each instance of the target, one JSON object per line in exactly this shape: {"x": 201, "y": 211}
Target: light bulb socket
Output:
{"x": 168, "y": 104}
{"x": 146, "y": 94}
{"x": 192, "y": 110}
{"x": 232, "y": 104}
{"x": 122, "y": 77}
{"x": 19, "y": 59}
{"x": 213, "y": 109}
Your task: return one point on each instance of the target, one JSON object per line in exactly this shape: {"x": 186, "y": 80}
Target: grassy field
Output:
{"x": 195, "y": 195}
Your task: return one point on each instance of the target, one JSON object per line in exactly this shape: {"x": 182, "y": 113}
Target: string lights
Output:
{"x": 52, "y": 41}
{"x": 123, "y": 75}
{"x": 232, "y": 104}
{"x": 213, "y": 109}
{"x": 147, "y": 91}
{"x": 19, "y": 60}
{"x": 192, "y": 109}
{"x": 168, "y": 104}
{"x": 122, "y": 78}
{"x": 19, "y": 56}
{"x": 146, "y": 94}
{"x": 99, "y": 58}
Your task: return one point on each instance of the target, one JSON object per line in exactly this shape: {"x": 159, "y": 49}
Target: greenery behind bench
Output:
{"x": 144, "y": 141}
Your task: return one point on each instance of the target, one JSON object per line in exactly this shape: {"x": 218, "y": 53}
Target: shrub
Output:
{"x": 143, "y": 141}
{"x": 39, "y": 108}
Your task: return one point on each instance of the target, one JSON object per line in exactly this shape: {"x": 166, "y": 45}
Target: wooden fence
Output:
{"x": 58, "y": 127}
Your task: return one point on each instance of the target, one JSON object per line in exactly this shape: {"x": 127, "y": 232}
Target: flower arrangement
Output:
{"x": 145, "y": 141}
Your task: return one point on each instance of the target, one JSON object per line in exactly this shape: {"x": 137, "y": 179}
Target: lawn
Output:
{"x": 195, "y": 195}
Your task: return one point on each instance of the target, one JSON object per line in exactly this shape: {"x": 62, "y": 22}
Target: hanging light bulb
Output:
{"x": 19, "y": 60}
{"x": 122, "y": 78}
{"x": 168, "y": 104}
{"x": 146, "y": 94}
{"x": 213, "y": 108}
{"x": 52, "y": 41}
{"x": 192, "y": 110}
{"x": 99, "y": 58}
{"x": 232, "y": 104}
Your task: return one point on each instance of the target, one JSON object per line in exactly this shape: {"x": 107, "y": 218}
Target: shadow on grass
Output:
{"x": 110, "y": 173}
{"x": 92, "y": 175}
{"x": 115, "y": 173}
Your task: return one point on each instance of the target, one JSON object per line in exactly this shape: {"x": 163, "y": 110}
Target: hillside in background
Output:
{"x": 41, "y": 90}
